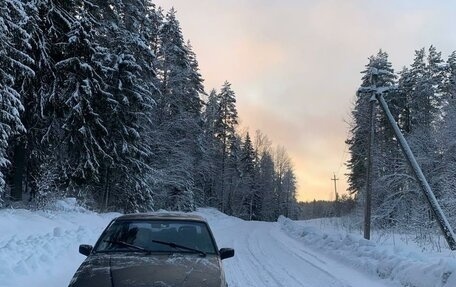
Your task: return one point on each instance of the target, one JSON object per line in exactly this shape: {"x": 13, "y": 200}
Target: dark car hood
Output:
{"x": 142, "y": 270}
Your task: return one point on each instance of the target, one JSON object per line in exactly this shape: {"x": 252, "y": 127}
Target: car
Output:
{"x": 153, "y": 250}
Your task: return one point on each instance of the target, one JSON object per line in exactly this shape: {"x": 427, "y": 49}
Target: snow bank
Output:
{"x": 217, "y": 219}
{"x": 39, "y": 248}
{"x": 67, "y": 204}
{"x": 408, "y": 267}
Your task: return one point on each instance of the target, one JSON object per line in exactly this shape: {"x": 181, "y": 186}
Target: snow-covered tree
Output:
{"x": 102, "y": 100}
{"x": 378, "y": 73}
{"x": 421, "y": 104}
{"x": 446, "y": 167}
{"x": 266, "y": 190}
{"x": 225, "y": 132}
{"x": 178, "y": 115}
{"x": 248, "y": 176}
{"x": 210, "y": 167}
{"x": 232, "y": 198}
{"x": 15, "y": 65}
{"x": 83, "y": 98}
{"x": 126, "y": 62}
{"x": 289, "y": 188}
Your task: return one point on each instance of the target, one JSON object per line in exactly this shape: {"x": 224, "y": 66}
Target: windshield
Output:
{"x": 132, "y": 236}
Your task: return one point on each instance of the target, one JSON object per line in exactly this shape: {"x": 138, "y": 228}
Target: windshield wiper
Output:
{"x": 174, "y": 245}
{"x": 123, "y": 243}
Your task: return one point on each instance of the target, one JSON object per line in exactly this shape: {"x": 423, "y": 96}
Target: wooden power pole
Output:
{"x": 370, "y": 159}
{"x": 442, "y": 221}
{"x": 335, "y": 186}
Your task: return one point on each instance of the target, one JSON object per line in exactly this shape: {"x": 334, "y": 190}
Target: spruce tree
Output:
{"x": 233, "y": 198}
{"x": 210, "y": 166}
{"x": 225, "y": 133}
{"x": 179, "y": 118}
{"x": 379, "y": 70}
{"x": 248, "y": 177}
{"x": 377, "y": 75}
{"x": 266, "y": 189}
{"x": 83, "y": 99}
{"x": 446, "y": 167}
{"x": 15, "y": 66}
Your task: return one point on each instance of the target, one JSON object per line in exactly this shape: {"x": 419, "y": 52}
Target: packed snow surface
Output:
{"x": 41, "y": 249}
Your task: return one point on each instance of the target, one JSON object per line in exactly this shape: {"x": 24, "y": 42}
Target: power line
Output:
{"x": 342, "y": 158}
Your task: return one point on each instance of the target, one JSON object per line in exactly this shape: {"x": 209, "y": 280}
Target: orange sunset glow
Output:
{"x": 295, "y": 67}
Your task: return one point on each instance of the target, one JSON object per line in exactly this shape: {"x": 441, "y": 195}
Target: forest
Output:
{"x": 103, "y": 100}
{"x": 422, "y": 100}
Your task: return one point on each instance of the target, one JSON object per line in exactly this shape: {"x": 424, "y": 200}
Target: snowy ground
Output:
{"x": 40, "y": 249}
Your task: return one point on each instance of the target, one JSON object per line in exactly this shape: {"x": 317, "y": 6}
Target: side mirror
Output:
{"x": 226, "y": 253}
{"x": 85, "y": 249}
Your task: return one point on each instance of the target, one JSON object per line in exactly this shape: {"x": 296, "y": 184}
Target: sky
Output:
{"x": 295, "y": 66}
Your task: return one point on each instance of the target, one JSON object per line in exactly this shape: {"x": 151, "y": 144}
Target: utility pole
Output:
{"x": 370, "y": 161}
{"x": 370, "y": 154}
{"x": 442, "y": 221}
{"x": 335, "y": 186}
{"x": 336, "y": 207}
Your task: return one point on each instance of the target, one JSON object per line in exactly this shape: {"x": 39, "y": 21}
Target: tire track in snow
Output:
{"x": 245, "y": 269}
{"x": 271, "y": 268}
{"x": 306, "y": 259}
{"x": 263, "y": 260}
{"x": 237, "y": 271}
{"x": 252, "y": 242}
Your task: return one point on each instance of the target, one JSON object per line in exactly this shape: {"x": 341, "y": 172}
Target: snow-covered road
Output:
{"x": 41, "y": 249}
{"x": 266, "y": 256}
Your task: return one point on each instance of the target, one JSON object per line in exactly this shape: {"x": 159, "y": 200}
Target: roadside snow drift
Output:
{"x": 40, "y": 248}
{"x": 399, "y": 264}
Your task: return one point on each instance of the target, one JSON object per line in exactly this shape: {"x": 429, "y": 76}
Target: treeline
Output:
{"x": 342, "y": 206}
{"x": 422, "y": 100}
{"x": 103, "y": 100}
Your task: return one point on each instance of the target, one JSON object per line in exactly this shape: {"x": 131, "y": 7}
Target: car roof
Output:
{"x": 161, "y": 216}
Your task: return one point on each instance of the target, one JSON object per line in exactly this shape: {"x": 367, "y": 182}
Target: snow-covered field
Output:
{"x": 41, "y": 249}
